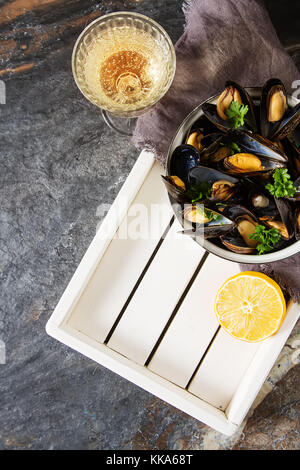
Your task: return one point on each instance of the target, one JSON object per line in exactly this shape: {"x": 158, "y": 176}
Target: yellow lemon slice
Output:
{"x": 250, "y": 306}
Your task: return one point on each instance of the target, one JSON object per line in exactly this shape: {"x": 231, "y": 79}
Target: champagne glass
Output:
{"x": 124, "y": 63}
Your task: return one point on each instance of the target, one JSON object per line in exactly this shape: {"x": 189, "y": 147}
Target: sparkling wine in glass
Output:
{"x": 124, "y": 63}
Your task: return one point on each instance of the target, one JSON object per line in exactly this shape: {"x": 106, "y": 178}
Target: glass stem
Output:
{"x": 126, "y": 129}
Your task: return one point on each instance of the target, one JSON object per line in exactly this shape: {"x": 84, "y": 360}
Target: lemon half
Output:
{"x": 250, "y": 306}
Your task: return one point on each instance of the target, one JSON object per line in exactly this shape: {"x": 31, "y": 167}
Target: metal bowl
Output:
{"x": 208, "y": 245}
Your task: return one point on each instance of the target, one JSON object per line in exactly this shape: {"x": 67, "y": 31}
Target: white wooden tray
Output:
{"x": 143, "y": 307}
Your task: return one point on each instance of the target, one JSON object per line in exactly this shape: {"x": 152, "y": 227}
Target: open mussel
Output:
{"x": 256, "y": 155}
{"x": 277, "y": 119}
{"x": 195, "y": 138}
{"x": 297, "y": 224}
{"x": 183, "y": 159}
{"x": 257, "y": 145}
{"x": 218, "y": 114}
{"x": 261, "y": 203}
{"x": 216, "y": 147}
{"x": 221, "y": 186}
{"x": 204, "y": 220}
{"x": 249, "y": 164}
{"x": 273, "y": 106}
{"x": 239, "y": 239}
{"x": 288, "y": 123}
{"x": 282, "y": 221}
{"x": 176, "y": 188}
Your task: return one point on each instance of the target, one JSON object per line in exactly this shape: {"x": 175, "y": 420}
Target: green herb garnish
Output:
{"x": 236, "y": 114}
{"x": 233, "y": 147}
{"x": 210, "y": 215}
{"x": 200, "y": 191}
{"x": 283, "y": 186}
{"x": 267, "y": 238}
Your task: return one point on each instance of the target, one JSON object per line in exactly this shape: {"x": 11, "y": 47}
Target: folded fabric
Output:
{"x": 223, "y": 40}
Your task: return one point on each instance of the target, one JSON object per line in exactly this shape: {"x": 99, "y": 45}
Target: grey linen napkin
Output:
{"x": 223, "y": 39}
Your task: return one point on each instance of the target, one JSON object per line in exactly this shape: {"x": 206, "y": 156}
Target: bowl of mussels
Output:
{"x": 233, "y": 173}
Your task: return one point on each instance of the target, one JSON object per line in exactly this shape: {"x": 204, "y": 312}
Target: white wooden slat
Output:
{"x": 194, "y": 325}
{"x": 124, "y": 260}
{"x": 156, "y": 297}
{"x": 222, "y": 369}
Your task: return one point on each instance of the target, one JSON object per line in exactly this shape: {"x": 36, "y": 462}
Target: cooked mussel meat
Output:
{"x": 176, "y": 188}
{"x": 216, "y": 148}
{"x": 239, "y": 239}
{"x": 273, "y": 106}
{"x": 282, "y": 221}
{"x": 277, "y": 119}
{"x": 222, "y": 190}
{"x": 205, "y": 221}
{"x": 222, "y": 187}
{"x": 218, "y": 114}
{"x": 194, "y": 139}
{"x": 225, "y": 99}
{"x": 249, "y": 164}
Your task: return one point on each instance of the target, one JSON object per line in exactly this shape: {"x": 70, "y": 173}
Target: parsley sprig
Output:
{"x": 283, "y": 186}
{"x": 267, "y": 238}
{"x": 200, "y": 191}
{"x": 232, "y": 146}
{"x": 210, "y": 215}
{"x": 236, "y": 114}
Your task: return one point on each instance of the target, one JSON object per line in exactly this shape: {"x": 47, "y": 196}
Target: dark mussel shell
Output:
{"x": 216, "y": 147}
{"x": 238, "y": 240}
{"x": 297, "y": 223}
{"x": 296, "y": 137}
{"x": 204, "y": 220}
{"x": 254, "y": 143}
{"x": 296, "y": 196}
{"x": 176, "y": 188}
{"x": 294, "y": 156}
{"x": 277, "y": 119}
{"x": 183, "y": 159}
{"x": 273, "y": 106}
{"x": 234, "y": 242}
{"x": 261, "y": 203}
{"x": 283, "y": 222}
{"x": 203, "y": 125}
{"x": 288, "y": 123}
{"x": 212, "y": 113}
{"x": 223, "y": 186}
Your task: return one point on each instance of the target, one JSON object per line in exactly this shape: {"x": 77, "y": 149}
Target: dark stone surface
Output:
{"x": 58, "y": 163}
